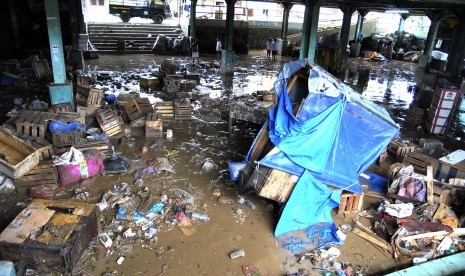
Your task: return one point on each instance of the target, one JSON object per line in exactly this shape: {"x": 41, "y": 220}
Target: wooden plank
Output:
{"x": 429, "y": 185}
{"x": 26, "y": 223}
{"x": 278, "y": 186}
{"x": 373, "y": 240}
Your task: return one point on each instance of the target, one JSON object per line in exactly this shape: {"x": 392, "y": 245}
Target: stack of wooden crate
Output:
{"x": 138, "y": 108}
{"x": 441, "y": 110}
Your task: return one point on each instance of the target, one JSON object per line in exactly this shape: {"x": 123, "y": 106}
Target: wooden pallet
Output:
{"x": 165, "y": 109}
{"x": 420, "y": 162}
{"x": 100, "y": 146}
{"x": 182, "y": 110}
{"x": 399, "y": 149}
{"x": 109, "y": 122}
{"x": 350, "y": 203}
{"x": 43, "y": 173}
{"x": 67, "y": 117}
{"x": 137, "y": 108}
{"x": 278, "y": 185}
{"x": 153, "y": 125}
{"x": 32, "y": 123}
{"x": 66, "y": 139}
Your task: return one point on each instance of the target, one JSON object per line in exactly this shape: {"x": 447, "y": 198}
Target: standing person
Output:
{"x": 219, "y": 48}
{"x": 195, "y": 51}
{"x": 268, "y": 47}
{"x": 274, "y": 48}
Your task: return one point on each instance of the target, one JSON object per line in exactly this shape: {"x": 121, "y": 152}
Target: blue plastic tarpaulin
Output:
{"x": 334, "y": 137}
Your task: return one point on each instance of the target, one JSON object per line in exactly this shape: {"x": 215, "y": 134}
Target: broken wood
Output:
{"x": 429, "y": 184}
{"x": 438, "y": 234}
{"x": 384, "y": 245}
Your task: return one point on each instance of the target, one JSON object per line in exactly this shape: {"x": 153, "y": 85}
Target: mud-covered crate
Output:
{"x": 187, "y": 85}
{"x": 85, "y": 111}
{"x": 153, "y": 125}
{"x": 399, "y": 149}
{"x": 172, "y": 83}
{"x": 109, "y": 122}
{"x": 182, "y": 110}
{"x": 420, "y": 162}
{"x": 85, "y": 81}
{"x": 149, "y": 82}
{"x": 44, "y": 173}
{"x": 137, "y": 108}
{"x": 18, "y": 157}
{"x": 66, "y": 139}
{"x": 32, "y": 123}
{"x": 168, "y": 66}
{"x": 43, "y": 146}
{"x": 165, "y": 109}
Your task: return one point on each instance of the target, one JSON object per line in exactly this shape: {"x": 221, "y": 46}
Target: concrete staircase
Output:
{"x": 139, "y": 37}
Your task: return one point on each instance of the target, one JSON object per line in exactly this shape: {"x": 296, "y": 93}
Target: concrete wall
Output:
{"x": 260, "y": 31}
{"x": 208, "y": 30}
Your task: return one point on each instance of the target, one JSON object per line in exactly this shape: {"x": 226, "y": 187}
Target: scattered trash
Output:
{"x": 237, "y": 254}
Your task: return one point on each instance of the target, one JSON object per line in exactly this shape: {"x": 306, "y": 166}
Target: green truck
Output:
{"x": 157, "y": 10}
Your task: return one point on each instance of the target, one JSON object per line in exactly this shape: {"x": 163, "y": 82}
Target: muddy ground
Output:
{"x": 231, "y": 226}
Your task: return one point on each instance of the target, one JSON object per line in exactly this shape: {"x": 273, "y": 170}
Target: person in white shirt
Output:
{"x": 268, "y": 47}
{"x": 219, "y": 48}
{"x": 274, "y": 48}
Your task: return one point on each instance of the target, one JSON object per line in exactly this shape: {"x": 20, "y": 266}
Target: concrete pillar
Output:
{"x": 227, "y": 56}
{"x": 192, "y": 15}
{"x": 74, "y": 24}
{"x": 14, "y": 23}
{"x": 457, "y": 51}
{"x": 400, "y": 29}
{"x": 282, "y": 44}
{"x": 359, "y": 26}
{"x": 425, "y": 58}
{"x": 343, "y": 41}
{"x": 60, "y": 90}
{"x": 309, "y": 33}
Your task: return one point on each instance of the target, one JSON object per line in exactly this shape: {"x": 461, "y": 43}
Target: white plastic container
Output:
{"x": 7, "y": 268}
{"x": 169, "y": 134}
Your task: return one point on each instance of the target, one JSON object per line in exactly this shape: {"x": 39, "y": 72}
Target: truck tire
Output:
{"x": 125, "y": 17}
{"x": 158, "y": 18}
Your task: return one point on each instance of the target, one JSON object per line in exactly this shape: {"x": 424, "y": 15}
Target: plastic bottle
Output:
{"x": 198, "y": 216}
{"x": 106, "y": 241}
{"x": 236, "y": 254}
{"x": 247, "y": 202}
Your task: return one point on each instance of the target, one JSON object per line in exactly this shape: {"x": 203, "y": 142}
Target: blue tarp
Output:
{"x": 336, "y": 135}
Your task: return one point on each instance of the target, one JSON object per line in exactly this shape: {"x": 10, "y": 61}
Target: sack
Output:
{"x": 90, "y": 167}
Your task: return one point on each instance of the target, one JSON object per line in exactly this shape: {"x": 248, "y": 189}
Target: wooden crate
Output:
{"x": 58, "y": 108}
{"x": 165, "y": 109}
{"x": 43, "y": 173}
{"x": 149, "y": 82}
{"x": 89, "y": 97}
{"x": 100, "y": 146}
{"x": 399, "y": 149}
{"x": 18, "y": 157}
{"x": 52, "y": 232}
{"x": 67, "y": 117}
{"x": 41, "y": 68}
{"x": 182, "y": 110}
{"x": 85, "y": 81}
{"x": 168, "y": 67}
{"x": 32, "y": 123}
{"x": 66, "y": 139}
{"x": 153, "y": 125}
{"x": 350, "y": 203}
{"x": 172, "y": 83}
{"x": 137, "y": 108}
{"x": 420, "y": 162}
{"x": 43, "y": 146}
{"x": 187, "y": 85}
{"x": 451, "y": 166}
{"x": 85, "y": 111}
{"x": 109, "y": 122}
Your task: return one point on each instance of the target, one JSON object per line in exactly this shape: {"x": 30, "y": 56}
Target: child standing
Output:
{"x": 268, "y": 47}
{"x": 219, "y": 48}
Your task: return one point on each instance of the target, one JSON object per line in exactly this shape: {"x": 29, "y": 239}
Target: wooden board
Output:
{"x": 278, "y": 186}
{"x": 44, "y": 173}
{"x": 420, "y": 162}
{"x": 27, "y": 222}
{"x": 58, "y": 229}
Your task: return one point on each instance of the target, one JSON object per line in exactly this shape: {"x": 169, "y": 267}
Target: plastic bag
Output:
{"x": 90, "y": 167}
{"x": 63, "y": 127}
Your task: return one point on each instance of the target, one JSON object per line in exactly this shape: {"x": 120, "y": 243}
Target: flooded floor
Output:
{"x": 205, "y": 139}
